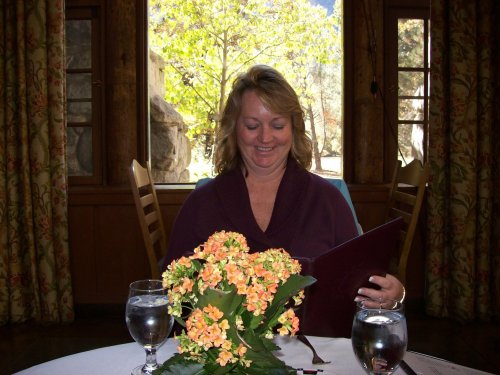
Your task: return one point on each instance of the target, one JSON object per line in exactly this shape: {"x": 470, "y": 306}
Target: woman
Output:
{"x": 263, "y": 188}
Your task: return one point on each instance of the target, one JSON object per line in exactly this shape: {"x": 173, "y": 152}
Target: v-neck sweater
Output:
{"x": 309, "y": 217}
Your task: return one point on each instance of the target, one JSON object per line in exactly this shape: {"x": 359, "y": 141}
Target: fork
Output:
{"x": 316, "y": 358}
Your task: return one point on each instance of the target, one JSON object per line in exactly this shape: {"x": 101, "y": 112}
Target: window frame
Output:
{"x": 348, "y": 144}
{"x": 395, "y": 10}
{"x": 78, "y": 10}
{"x": 144, "y": 151}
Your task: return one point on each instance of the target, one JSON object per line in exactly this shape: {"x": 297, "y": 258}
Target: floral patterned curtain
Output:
{"x": 35, "y": 281}
{"x": 463, "y": 260}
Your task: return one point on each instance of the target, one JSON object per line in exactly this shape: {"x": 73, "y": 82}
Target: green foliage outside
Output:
{"x": 206, "y": 43}
{"x": 411, "y": 55}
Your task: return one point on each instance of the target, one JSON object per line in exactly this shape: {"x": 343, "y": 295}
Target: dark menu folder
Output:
{"x": 328, "y": 307}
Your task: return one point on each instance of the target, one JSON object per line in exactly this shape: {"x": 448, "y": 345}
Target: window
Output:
{"x": 197, "y": 47}
{"x": 83, "y": 91}
{"x": 407, "y": 86}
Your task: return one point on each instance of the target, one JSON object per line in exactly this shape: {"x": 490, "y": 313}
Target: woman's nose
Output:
{"x": 265, "y": 134}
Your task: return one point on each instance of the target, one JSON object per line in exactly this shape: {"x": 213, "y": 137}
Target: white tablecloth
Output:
{"x": 120, "y": 359}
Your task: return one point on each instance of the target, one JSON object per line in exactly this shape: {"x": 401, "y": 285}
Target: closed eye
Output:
{"x": 251, "y": 126}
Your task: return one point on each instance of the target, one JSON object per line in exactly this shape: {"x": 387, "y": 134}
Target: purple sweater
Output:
{"x": 309, "y": 217}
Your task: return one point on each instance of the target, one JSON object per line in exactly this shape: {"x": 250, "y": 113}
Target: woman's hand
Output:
{"x": 390, "y": 288}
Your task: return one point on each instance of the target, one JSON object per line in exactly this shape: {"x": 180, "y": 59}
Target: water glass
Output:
{"x": 148, "y": 320}
{"x": 379, "y": 335}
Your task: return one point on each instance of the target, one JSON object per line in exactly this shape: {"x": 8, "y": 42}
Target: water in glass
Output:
{"x": 148, "y": 320}
{"x": 379, "y": 336}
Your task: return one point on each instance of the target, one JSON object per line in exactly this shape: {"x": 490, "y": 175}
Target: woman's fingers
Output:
{"x": 390, "y": 288}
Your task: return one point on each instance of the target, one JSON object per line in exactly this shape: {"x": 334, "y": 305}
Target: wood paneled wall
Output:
{"x": 107, "y": 250}
{"x": 106, "y": 247}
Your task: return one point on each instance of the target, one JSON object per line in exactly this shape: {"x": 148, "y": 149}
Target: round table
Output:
{"x": 120, "y": 359}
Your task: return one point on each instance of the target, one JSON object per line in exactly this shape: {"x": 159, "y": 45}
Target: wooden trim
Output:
{"x": 348, "y": 125}
{"x": 142, "y": 82}
{"x": 95, "y": 196}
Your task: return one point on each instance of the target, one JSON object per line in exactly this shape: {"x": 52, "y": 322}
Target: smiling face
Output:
{"x": 264, "y": 138}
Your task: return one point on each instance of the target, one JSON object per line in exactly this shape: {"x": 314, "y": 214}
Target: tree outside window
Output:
{"x": 413, "y": 78}
{"x": 198, "y": 47}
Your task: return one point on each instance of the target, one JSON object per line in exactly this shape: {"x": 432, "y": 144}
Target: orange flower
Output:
{"x": 241, "y": 350}
{"x": 224, "y": 325}
{"x": 211, "y": 275}
{"x": 224, "y": 357}
{"x": 259, "y": 270}
{"x": 283, "y": 331}
{"x": 295, "y": 325}
{"x": 223, "y": 262}
{"x": 187, "y": 285}
{"x": 186, "y": 262}
{"x": 272, "y": 288}
{"x": 213, "y": 312}
{"x": 227, "y": 345}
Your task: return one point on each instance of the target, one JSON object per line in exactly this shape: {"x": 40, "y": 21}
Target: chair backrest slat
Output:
{"x": 405, "y": 215}
{"x": 405, "y": 199}
{"x": 151, "y": 218}
{"x": 147, "y": 200}
{"x": 155, "y": 236}
{"x": 149, "y": 215}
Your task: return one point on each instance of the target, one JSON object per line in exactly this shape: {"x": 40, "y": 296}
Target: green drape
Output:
{"x": 35, "y": 281}
{"x": 463, "y": 252}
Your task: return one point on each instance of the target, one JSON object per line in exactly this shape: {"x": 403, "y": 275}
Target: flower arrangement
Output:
{"x": 230, "y": 303}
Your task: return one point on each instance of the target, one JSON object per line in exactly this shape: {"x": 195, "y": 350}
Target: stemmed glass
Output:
{"x": 379, "y": 335}
{"x": 148, "y": 320}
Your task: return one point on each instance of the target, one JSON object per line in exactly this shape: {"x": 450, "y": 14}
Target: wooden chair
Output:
{"x": 150, "y": 218}
{"x": 405, "y": 199}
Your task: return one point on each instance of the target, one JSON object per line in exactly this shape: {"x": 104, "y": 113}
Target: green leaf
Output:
{"x": 255, "y": 321}
{"x": 286, "y": 291}
{"x": 179, "y": 365}
{"x": 263, "y": 360}
{"x": 258, "y": 343}
{"x": 226, "y": 301}
{"x": 214, "y": 369}
{"x": 180, "y": 321}
{"x": 250, "y": 320}
{"x": 263, "y": 363}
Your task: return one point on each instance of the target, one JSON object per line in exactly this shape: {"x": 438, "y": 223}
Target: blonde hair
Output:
{"x": 279, "y": 97}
